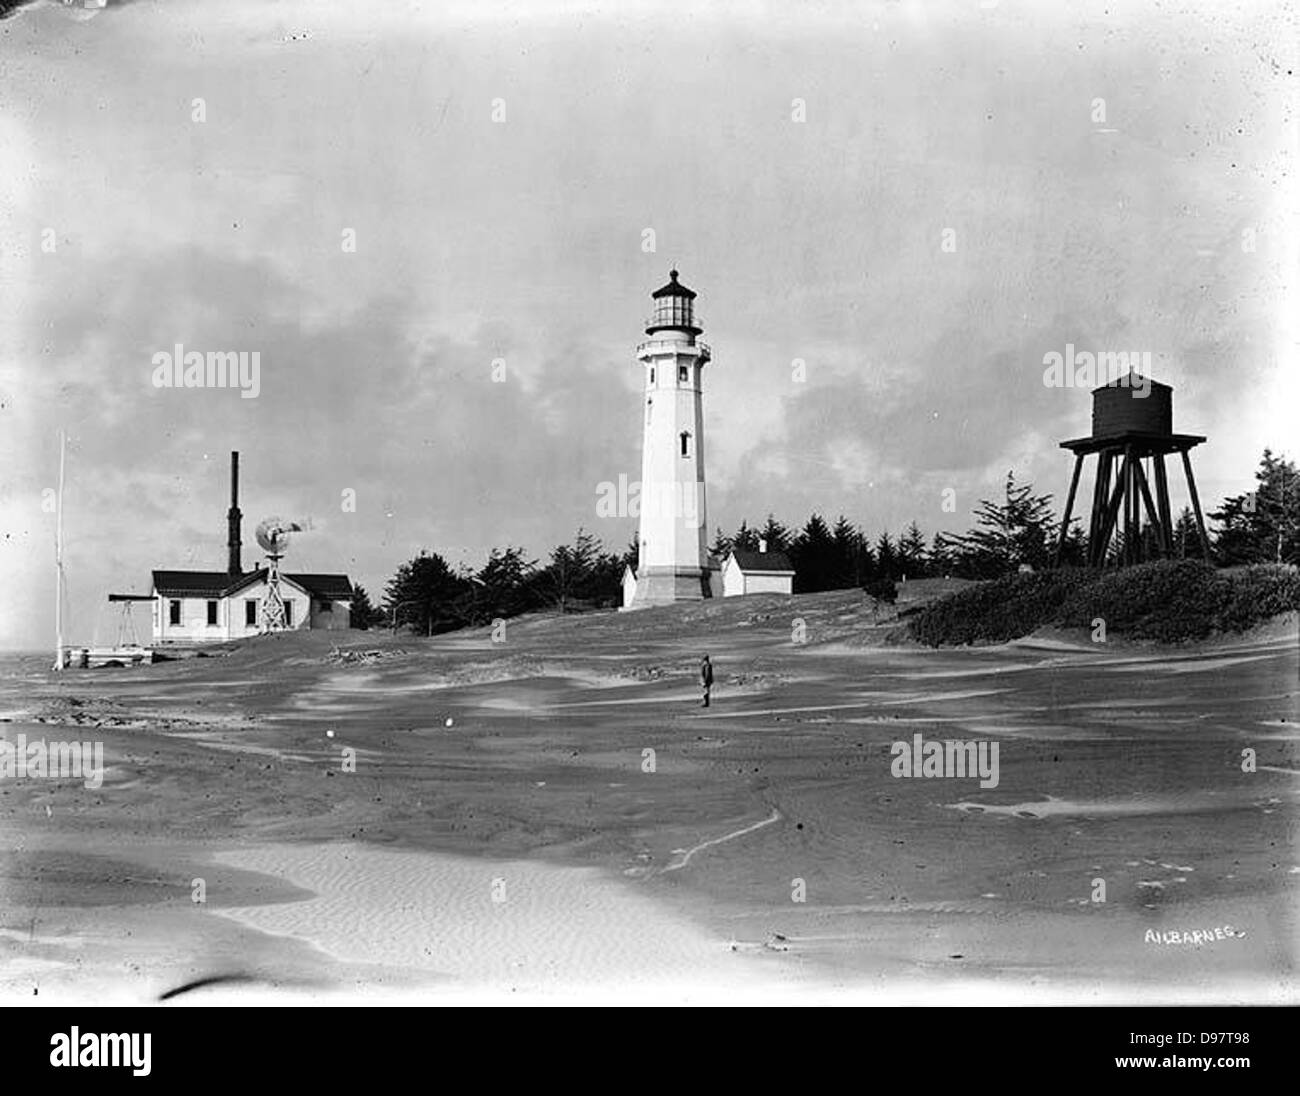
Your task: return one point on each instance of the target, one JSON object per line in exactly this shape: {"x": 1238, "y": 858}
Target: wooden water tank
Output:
{"x": 1131, "y": 405}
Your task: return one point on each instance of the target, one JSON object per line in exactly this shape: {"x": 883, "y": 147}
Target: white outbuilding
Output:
{"x": 759, "y": 572}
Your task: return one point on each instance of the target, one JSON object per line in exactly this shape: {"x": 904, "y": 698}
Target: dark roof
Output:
{"x": 325, "y": 587}
{"x": 763, "y": 561}
{"x": 673, "y": 289}
{"x": 190, "y": 583}
{"x": 1132, "y": 379}
{"x": 216, "y": 584}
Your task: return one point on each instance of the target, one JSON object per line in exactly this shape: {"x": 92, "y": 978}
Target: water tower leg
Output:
{"x": 1151, "y": 507}
{"x": 1069, "y": 507}
{"x": 1100, "y": 496}
{"x": 1196, "y": 505}
{"x": 1162, "y": 501}
{"x": 1110, "y": 520}
{"x": 1130, "y": 508}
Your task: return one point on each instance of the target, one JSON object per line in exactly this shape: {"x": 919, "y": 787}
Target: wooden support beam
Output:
{"x": 1100, "y": 497}
{"x": 1130, "y": 493}
{"x": 1162, "y": 501}
{"x": 1196, "y": 505}
{"x": 1069, "y": 508}
{"x": 1150, "y": 504}
{"x": 1110, "y": 518}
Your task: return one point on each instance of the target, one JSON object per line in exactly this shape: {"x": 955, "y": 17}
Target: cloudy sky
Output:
{"x": 1115, "y": 176}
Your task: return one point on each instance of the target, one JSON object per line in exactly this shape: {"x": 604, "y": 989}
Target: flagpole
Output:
{"x": 58, "y": 558}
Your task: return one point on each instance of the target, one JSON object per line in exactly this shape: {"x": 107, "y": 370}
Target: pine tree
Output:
{"x": 1262, "y": 526}
{"x": 425, "y": 595}
{"x": 776, "y": 535}
{"x": 721, "y": 545}
{"x": 815, "y": 557}
{"x": 364, "y": 615}
{"x": 745, "y": 540}
{"x": 1020, "y": 529}
{"x": 911, "y": 553}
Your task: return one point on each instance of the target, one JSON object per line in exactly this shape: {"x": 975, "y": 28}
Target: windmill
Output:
{"x": 273, "y": 535}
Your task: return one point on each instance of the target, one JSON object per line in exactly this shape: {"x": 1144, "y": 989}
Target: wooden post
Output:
{"x": 1150, "y": 505}
{"x": 1111, "y": 518}
{"x": 1069, "y": 507}
{"x": 1130, "y": 496}
{"x": 1162, "y": 501}
{"x": 1196, "y": 505}
{"x": 1100, "y": 499}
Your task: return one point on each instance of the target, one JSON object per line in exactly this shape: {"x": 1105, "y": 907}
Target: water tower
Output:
{"x": 1132, "y": 433}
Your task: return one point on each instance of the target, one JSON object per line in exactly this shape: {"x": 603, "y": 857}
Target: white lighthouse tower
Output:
{"x": 673, "y": 562}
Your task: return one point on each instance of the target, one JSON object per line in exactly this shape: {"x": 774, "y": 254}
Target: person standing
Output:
{"x": 706, "y": 679}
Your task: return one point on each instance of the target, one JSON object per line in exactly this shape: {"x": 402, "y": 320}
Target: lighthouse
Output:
{"x": 673, "y": 561}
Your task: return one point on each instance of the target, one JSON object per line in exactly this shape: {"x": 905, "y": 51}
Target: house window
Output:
{"x": 173, "y": 612}
{"x": 683, "y": 373}
{"x": 212, "y": 612}
{"x": 288, "y": 614}
{"x": 250, "y": 612}
{"x": 326, "y": 607}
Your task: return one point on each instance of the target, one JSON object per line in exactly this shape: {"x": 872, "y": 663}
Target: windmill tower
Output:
{"x": 273, "y": 535}
{"x": 673, "y": 562}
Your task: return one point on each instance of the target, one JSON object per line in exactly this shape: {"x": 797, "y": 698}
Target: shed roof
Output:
{"x": 763, "y": 561}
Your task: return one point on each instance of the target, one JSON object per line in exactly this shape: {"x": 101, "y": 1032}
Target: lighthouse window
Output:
{"x": 652, "y": 375}
{"x": 686, "y": 444}
{"x": 212, "y": 612}
{"x": 683, "y": 373}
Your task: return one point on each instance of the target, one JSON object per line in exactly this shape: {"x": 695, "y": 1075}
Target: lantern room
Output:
{"x": 674, "y": 308}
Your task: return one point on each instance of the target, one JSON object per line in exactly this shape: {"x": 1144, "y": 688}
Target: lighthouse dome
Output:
{"x": 674, "y": 308}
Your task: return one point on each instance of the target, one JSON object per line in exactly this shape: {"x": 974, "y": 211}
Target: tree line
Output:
{"x": 1020, "y": 529}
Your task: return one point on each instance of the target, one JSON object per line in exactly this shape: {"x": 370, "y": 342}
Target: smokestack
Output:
{"x": 233, "y": 520}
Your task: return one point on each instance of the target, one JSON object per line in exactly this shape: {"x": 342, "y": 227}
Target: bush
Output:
{"x": 1168, "y": 601}
{"x": 882, "y": 589}
{"x": 997, "y": 611}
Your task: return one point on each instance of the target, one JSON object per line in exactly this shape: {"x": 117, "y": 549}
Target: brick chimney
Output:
{"x": 233, "y": 520}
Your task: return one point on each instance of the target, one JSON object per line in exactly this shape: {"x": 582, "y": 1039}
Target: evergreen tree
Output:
{"x": 886, "y": 559}
{"x": 503, "y": 586}
{"x": 815, "y": 557}
{"x": 1186, "y": 538}
{"x": 721, "y": 545}
{"x": 571, "y": 570}
{"x": 1262, "y": 526}
{"x": 938, "y": 560}
{"x": 364, "y": 615}
{"x": 1019, "y": 529}
{"x": 911, "y": 553}
{"x": 425, "y": 595}
{"x": 851, "y": 555}
{"x": 745, "y": 540}
{"x": 776, "y": 535}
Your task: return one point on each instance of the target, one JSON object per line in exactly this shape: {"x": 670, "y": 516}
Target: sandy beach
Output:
{"x": 502, "y": 833}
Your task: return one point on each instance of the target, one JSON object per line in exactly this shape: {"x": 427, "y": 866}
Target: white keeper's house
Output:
{"x": 212, "y": 606}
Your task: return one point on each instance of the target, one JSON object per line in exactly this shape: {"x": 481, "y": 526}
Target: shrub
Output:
{"x": 1167, "y": 600}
